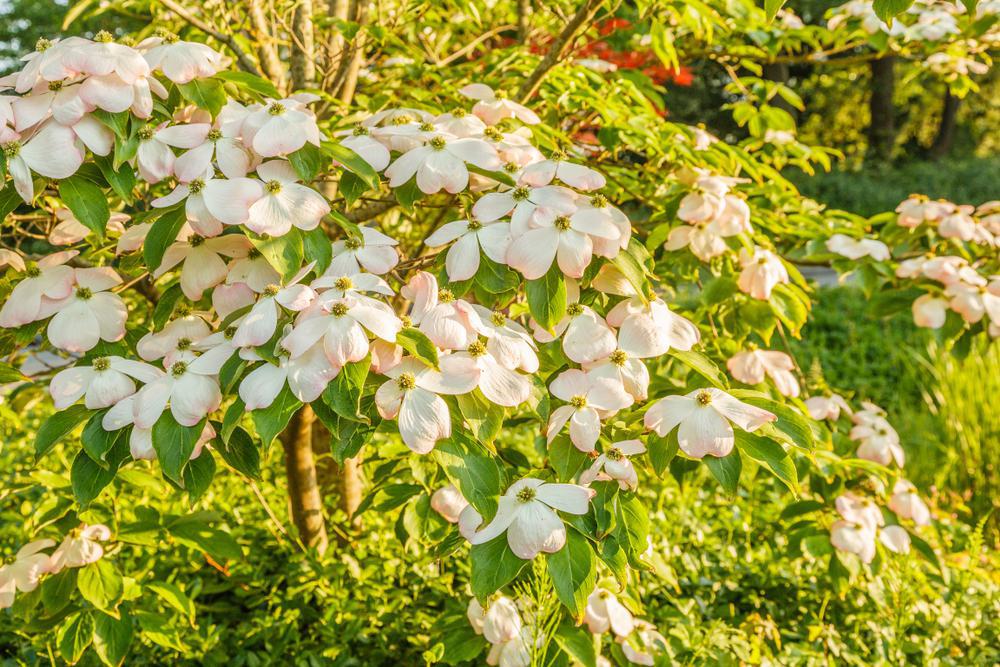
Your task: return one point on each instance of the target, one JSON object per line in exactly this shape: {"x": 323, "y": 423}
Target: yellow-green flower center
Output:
{"x": 704, "y": 397}
{"x": 477, "y": 349}
{"x": 574, "y": 309}
{"x": 101, "y": 364}
{"x": 196, "y": 186}
{"x": 84, "y": 293}
{"x": 579, "y": 401}
{"x": 11, "y": 149}
{"x": 343, "y": 284}
{"x": 438, "y": 143}
{"x": 276, "y": 108}
{"x": 214, "y": 135}
{"x": 183, "y": 343}
{"x": 619, "y": 357}
{"x": 338, "y": 309}
{"x": 614, "y": 454}
{"x": 273, "y": 187}
{"x": 178, "y": 369}
{"x": 474, "y": 225}
{"x": 406, "y": 382}
{"x": 562, "y": 223}
{"x": 104, "y": 36}
{"x": 499, "y": 319}
{"x": 445, "y": 295}
{"x": 271, "y": 290}
{"x": 520, "y": 194}
{"x": 526, "y": 495}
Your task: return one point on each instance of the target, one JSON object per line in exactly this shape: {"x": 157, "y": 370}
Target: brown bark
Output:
{"x": 523, "y": 19}
{"x": 946, "y": 129}
{"x": 351, "y": 487}
{"x": 346, "y": 80}
{"x": 303, "y": 490}
{"x": 303, "y": 51}
{"x": 882, "y": 129}
{"x": 267, "y": 50}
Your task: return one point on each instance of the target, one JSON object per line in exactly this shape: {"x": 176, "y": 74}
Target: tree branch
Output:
{"x": 244, "y": 61}
{"x": 371, "y": 211}
{"x": 268, "y": 53}
{"x": 558, "y": 49}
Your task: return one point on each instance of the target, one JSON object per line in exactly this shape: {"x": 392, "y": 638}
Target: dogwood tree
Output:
{"x": 202, "y": 258}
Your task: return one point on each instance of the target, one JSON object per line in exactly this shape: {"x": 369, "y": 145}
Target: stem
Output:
{"x": 559, "y": 47}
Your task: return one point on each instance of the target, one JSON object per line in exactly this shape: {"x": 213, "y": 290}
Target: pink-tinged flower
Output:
{"x": 574, "y": 175}
{"x": 705, "y": 240}
{"x": 11, "y": 259}
{"x": 114, "y": 94}
{"x": 930, "y": 311}
{"x": 449, "y": 503}
{"x": 515, "y": 652}
{"x": 919, "y": 209}
{"x": 462, "y": 261}
{"x": 895, "y": 539}
{"x": 514, "y": 148}
{"x": 762, "y": 271}
{"x": 527, "y": 513}
{"x": 585, "y": 335}
{"x": 961, "y": 225}
{"x": 89, "y": 314}
{"x": 441, "y": 163}
{"x": 507, "y": 340}
{"x": 23, "y": 571}
{"x": 82, "y": 546}
{"x": 203, "y": 266}
{"x": 280, "y": 127}
{"x": 227, "y": 299}
{"x": 52, "y": 151}
{"x": 178, "y": 335}
{"x": 500, "y": 384}
{"x": 69, "y": 230}
{"x": 132, "y": 238}
{"x": 845, "y": 246}
{"x": 410, "y": 396}
{"x": 499, "y": 623}
{"x": 567, "y": 239}
{"x": 254, "y": 271}
{"x": 624, "y": 366}
{"x": 190, "y": 387}
{"x": 306, "y": 375}
{"x": 907, "y": 504}
{"x": 879, "y": 441}
{"x": 948, "y": 270}
{"x": 285, "y": 203}
{"x": 614, "y": 464}
{"x": 493, "y": 107}
{"x": 48, "y": 99}
{"x": 258, "y": 326}
{"x": 367, "y": 148}
{"x": 853, "y": 538}
{"x": 343, "y": 326}
{"x": 858, "y": 510}
{"x": 105, "y": 382}
{"x": 358, "y": 286}
{"x": 973, "y": 302}
{"x": 827, "y": 407}
{"x": 48, "y": 280}
{"x": 460, "y": 123}
{"x": 373, "y": 252}
{"x": 604, "y": 612}
{"x": 705, "y": 417}
{"x": 46, "y": 63}
{"x": 750, "y": 366}
{"x": 597, "y": 210}
{"x": 650, "y": 644}
{"x": 527, "y": 206}
{"x": 589, "y": 399}
{"x": 450, "y": 323}
{"x": 652, "y": 329}
{"x": 103, "y": 57}
{"x": 155, "y": 158}
{"x": 194, "y": 194}
{"x": 181, "y": 62}
{"x": 140, "y": 440}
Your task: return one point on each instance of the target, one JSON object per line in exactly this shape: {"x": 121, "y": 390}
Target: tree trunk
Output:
{"x": 303, "y": 58}
{"x": 351, "y": 488}
{"x": 882, "y": 129}
{"x": 523, "y": 19}
{"x": 303, "y": 491}
{"x": 267, "y": 51}
{"x": 946, "y": 130}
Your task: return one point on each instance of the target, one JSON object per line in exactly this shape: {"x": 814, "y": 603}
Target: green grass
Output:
{"x": 875, "y": 189}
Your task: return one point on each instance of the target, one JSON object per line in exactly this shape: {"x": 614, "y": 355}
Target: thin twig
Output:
{"x": 242, "y": 58}
{"x": 558, "y": 49}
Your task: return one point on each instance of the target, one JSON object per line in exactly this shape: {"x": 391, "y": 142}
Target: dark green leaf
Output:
{"x": 317, "y": 248}
{"x": 87, "y": 202}
{"x": 662, "y": 451}
{"x": 343, "y": 394}
{"x": 240, "y": 452}
{"x": 205, "y": 93}
{"x": 484, "y": 418}
{"x": 112, "y": 637}
{"x": 547, "y": 298}
{"x": 494, "y": 566}
{"x": 573, "y": 570}
{"x": 702, "y": 365}
{"x": 632, "y": 528}
{"x": 473, "y": 470}
{"x": 577, "y": 643}
{"x": 284, "y": 252}
{"x": 250, "y": 82}
{"x": 769, "y": 453}
{"x": 57, "y": 427}
{"x": 418, "y": 345}
{"x": 353, "y": 163}
{"x": 566, "y": 459}
{"x": 121, "y": 180}
{"x": 771, "y": 8}
{"x": 887, "y": 9}
{"x": 163, "y": 232}
{"x": 101, "y": 585}
{"x": 726, "y": 469}
{"x": 75, "y": 637}
{"x": 173, "y": 444}
{"x": 308, "y": 162}
{"x": 273, "y": 419}
{"x": 198, "y": 474}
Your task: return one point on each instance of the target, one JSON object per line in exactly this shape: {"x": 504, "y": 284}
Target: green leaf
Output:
{"x": 10, "y": 374}
{"x": 101, "y": 585}
{"x": 816, "y": 546}
{"x": 284, "y": 252}
{"x": 460, "y": 642}
{"x": 317, "y": 248}
{"x": 353, "y": 163}
{"x": 632, "y": 528}
{"x": 771, "y": 8}
{"x": 703, "y": 366}
{"x": 472, "y": 469}
{"x": 116, "y": 122}
{"x": 87, "y": 202}
{"x": 565, "y": 458}
{"x": 163, "y": 232}
{"x": 343, "y": 394}
{"x": 89, "y": 478}
{"x": 351, "y": 187}
{"x": 174, "y": 597}
{"x": 198, "y": 474}
{"x": 121, "y": 180}
{"x": 887, "y": 9}
{"x": 793, "y": 425}
{"x": 408, "y": 194}
{"x": 273, "y": 419}
{"x": 662, "y": 451}
{"x": 205, "y": 93}
{"x": 57, "y": 427}
{"x": 769, "y": 453}
{"x": 75, "y": 637}
{"x": 96, "y": 441}
{"x": 499, "y": 176}
{"x": 58, "y": 589}
{"x": 494, "y": 566}
{"x": 484, "y": 418}
{"x": 576, "y": 643}
{"x": 194, "y": 532}
{"x": 308, "y": 162}
{"x": 632, "y": 269}
{"x": 112, "y": 637}
{"x": 250, "y": 82}
{"x": 726, "y": 469}
{"x": 173, "y": 444}
{"x": 547, "y": 298}
{"x": 240, "y": 453}
{"x": 418, "y": 345}
{"x": 573, "y": 570}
